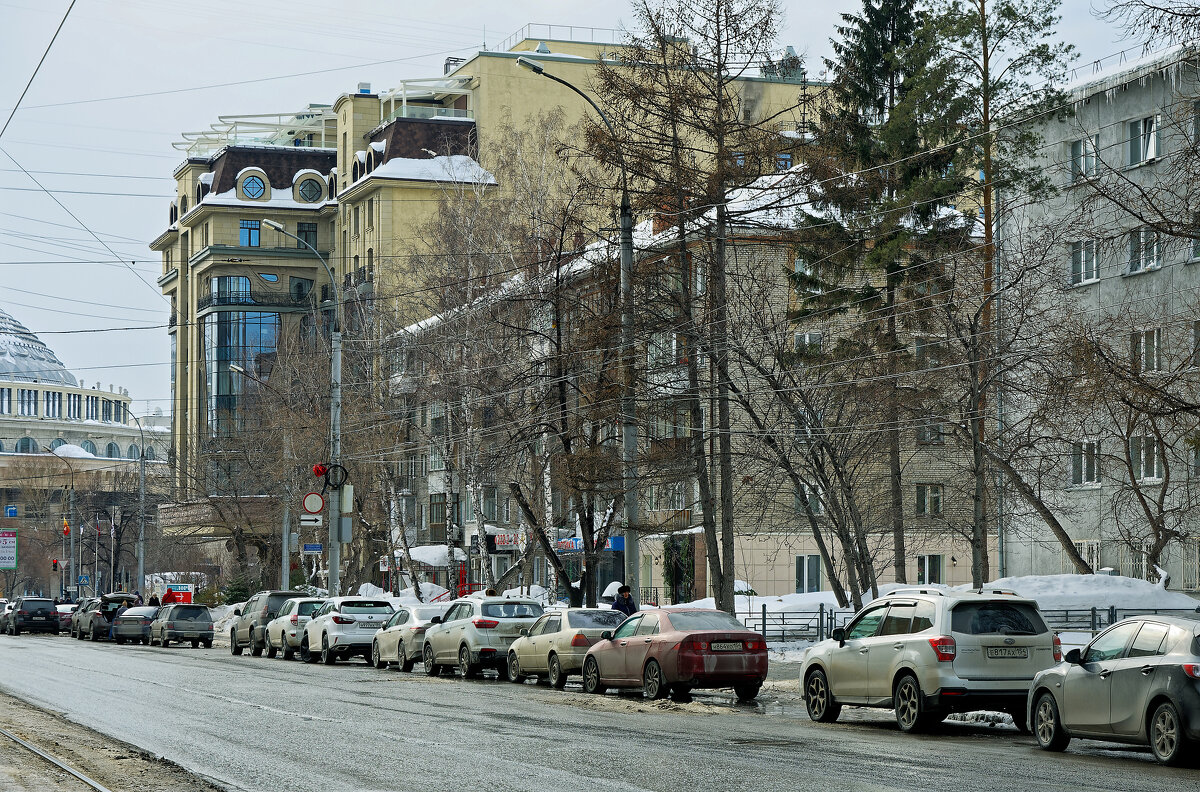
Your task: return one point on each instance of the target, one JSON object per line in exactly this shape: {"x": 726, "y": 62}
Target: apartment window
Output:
{"x": 929, "y": 500}
{"x": 370, "y": 213}
{"x": 739, "y": 159}
{"x": 1083, "y": 262}
{"x": 929, "y": 569}
{"x": 1195, "y": 345}
{"x": 1085, "y": 463}
{"x": 1144, "y": 250}
{"x": 665, "y": 497}
{"x": 253, "y": 187}
{"x": 307, "y": 232}
{"x": 808, "y": 573}
{"x": 508, "y": 510}
{"x": 248, "y": 233}
{"x": 1143, "y": 139}
{"x": 1145, "y": 350}
{"x": 1083, "y": 157}
{"x": 807, "y": 343}
{"x": 810, "y": 497}
{"x": 356, "y": 224}
{"x": 1145, "y": 456}
{"x": 6, "y": 401}
{"x": 93, "y": 408}
{"x": 783, "y": 162}
{"x": 931, "y": 433}
{"x": 489, "y": 504}
{"x": 436, "y": 462}
{"x": 52, "y": 404}
{"x": 437, "y": 508}
{"x": 27, "y": 402}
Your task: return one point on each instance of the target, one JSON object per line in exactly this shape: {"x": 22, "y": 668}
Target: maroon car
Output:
{"x": 674, "y": 651}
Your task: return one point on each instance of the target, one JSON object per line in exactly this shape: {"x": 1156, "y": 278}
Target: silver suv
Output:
{"x": 929, "y": 652}
{"x": 476, "y": 633}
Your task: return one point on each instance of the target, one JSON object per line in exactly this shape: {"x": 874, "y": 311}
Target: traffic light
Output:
{"x": 54, "y": 563}
{"x": 320, "y": 470}
{"x": 66, "y": 528}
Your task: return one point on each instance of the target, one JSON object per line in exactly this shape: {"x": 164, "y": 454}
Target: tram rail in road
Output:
{"x": 55, "y": 761}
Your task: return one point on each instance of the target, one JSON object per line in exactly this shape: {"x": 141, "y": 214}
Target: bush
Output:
{"x": 236, "y": 590}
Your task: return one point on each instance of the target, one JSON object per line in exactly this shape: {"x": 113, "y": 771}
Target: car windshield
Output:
{"x": 997, "y": 618}
{"x": 512, "y": 610}
{"x": 191, "y": 613}
{"x": 425, "y": 614}
{"x": 140, "y": 612}
{"x": 700, "y": 620}
{"x": 307, "y": 608}
{"x": 367, "y": 607}
{"x": 602, "y": 619}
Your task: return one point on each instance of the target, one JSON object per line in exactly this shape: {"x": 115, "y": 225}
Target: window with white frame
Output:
{"x": 806, "y": 496}
{"x": 508, "y": 510}
{"x": 436, "y": 462}
{"x": 931, "y": 432}
{"x": 808, "y": 573}
{"x": 1088, "y": 550}
{"x": 27, "y": 401}
{"x": 6, "y": 406}
{"x": 1084, "y": 268}
{"x": 1146, "y": 457}
{"x": 929, "y": 569}
{"x": 1145, "y": 251}
{"x": 1143, "y": 139}
{"x": 489, "y": 504}
{"x": 1083, "y": 157}
{"x": 1085, "y": 463}
{"x": 1146, "y": 350}
{"x": 1134, "y": 561}
{"x": 667, "y": 496}
{"x": 929, "y": 500}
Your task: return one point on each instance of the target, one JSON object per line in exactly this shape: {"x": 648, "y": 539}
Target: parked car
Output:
{"x": 401, "y": 637}
{"x": 183, "y": 622}
{"x": 5, "y": 613}
{"x": 476, "y": 633}
{"x": 134, "y": 625}
{"x": 343, "y": 627}
{"x": 78, "y": 614}
{"x": 555, "y": 645}
{"x": 284, "y": 631}
{"x": 64, "y": 615}
{"x": 32, "y": 614}
{"x": 1136, "y": 682}
{"x": 250, "y": 626}
{"x": 928, "y": 652}
{"x": 672, "y": 652}
{"x": 98, "y": 614}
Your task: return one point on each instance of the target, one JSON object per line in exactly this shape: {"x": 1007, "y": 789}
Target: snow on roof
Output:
{"x": 455, "y": 168}
{"x": 379, "y": 145}
{"x": 280, "y": 199}
{"x": 70, "y": 451}
{"x": 206, "y": 178}
{"x": 361, "y": 156}
{"x": 1122, "y": 70}
{"x": 435, "y": 555}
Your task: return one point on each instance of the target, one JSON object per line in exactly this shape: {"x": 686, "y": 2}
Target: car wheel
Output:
{"x": 1047, "y": 725}
{"x": 1167, "y": 740}
{"x": 654, "y": 684}
{"x": 196, "y": 644}
{"x": 431, "y": 668}
{"x": 272, "y": 651}
{"x": 591, "y": 677}
{"x": 327, "y": 655}
{"x": 376, "y": 660}
{"x": 558, "y": 680}
{"x": 234, "y": 646}
{"x": 465, "y": 668}
{"x": 406, "y": 663}
{"x": 145, "y": 640}
{"x": 119, "y": 640}
{"x": 819, "y": 701}
{"x": 747, "y": 691}
{"x": 911, "y": 715}
{"x": 514, "y": 669}
{"x": 256, "y": 647}
{"x": 288, "y": 652}
{"x": 208, "y": 644}
{"x": 165, "y": 641}
{"x": 95, "y": 635}
{"x": 306, "y": 655}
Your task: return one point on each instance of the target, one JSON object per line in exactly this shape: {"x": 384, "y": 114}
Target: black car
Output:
{"x": 33, "y": 614}
{"x": 250, "y": 626}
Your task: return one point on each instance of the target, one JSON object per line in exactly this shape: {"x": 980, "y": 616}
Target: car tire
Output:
{"x": 466, "y": 669}
{"x": 1047, "y": 724}
{"x": 306, "y": 655}
{"x": 909, "y": 701}
{"x": 747, "y": 691}
{"x": 95, "y": 635}
{"x": 513, "y": 669}
{"x": 376, "y": 660}
{"x": 327, "y": 655}
{"x": 196, "y": 644}
{"x": 591, "y": 677}
{"x": 654, "y": 682}
{"x": 431, "y": 668}
{"x": 818, "y": 699}
{"x": 119, "y": 640}
{"x": 235, "y": 648}
{"x": 272, "y": 651}
{"x": 288, "y": 651}
{"x": 256, "y": 647}
{"x": 407, "y": 663}
{"x": 558, "y": 679}
{"x": 208, "y": 644}
{"x": 1167, "y": 738}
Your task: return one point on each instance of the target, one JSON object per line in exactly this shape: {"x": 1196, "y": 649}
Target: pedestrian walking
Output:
{"x": 624, "y": 601}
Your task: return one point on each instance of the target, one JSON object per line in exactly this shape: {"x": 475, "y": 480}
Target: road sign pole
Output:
{"x": 285, "y": 552}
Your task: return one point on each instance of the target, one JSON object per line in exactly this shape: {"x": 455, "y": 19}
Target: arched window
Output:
{"x": 150, "y": 455}
{"x": 134, "y": 452}
{"x": 89, "y": 446}
{"x": 26, "y": 445}
{"x": 58, "y": 443}
{"x": 310, "y": 191}
{"x": 112, "y": 451}
{"x": 183, "y": 206}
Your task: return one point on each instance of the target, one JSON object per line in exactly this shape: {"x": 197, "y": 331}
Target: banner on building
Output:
{"x": 8, "y": 548}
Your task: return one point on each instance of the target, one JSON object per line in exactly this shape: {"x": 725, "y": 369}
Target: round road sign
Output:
{"x": 314, "y": 503}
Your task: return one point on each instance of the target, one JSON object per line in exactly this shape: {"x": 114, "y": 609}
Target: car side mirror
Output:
{"x": 606, "y": 635}
{"x": 237, "y": 611}
{"x": 1074, "y": 657}
{"x": 436, "y": 620}
{"x": 838, "y": 635}
{"x": 525, "y": 631}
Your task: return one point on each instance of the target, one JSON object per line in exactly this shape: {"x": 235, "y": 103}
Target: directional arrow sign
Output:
{"x": 312, "y": 520}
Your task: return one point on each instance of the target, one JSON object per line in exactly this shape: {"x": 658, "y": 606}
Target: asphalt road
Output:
{"x": 257, "y": 724}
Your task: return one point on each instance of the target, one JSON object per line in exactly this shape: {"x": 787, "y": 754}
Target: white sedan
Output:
{"x": 343, "y": 627}
{"x": 400, "y": 639}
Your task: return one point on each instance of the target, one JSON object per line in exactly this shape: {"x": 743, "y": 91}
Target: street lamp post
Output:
{"x": 335, "y": 413}
{"x": 71, "y": 524}
{"x": 628, "y": 422}
{"x": 141, "y": 544}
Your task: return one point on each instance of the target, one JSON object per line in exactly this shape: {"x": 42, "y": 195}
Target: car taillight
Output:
{"x": 1192, "y": 670}
{"x": 581, "y": 640}
{"x": 170, "y": 625}
{"x": 416, "y": 630}
{"x": 944, "y": 647}
{"x": 342, "y": 620}
{"x": 695, "y": 646}
{"x": 484, "y": 624}
{"x": 145, "y": 621}
{"x": 22, "y": 613}
{"x": 754, "y": 646}
{"x": 1057, "y": 650}
{"x": 295, "y": 618}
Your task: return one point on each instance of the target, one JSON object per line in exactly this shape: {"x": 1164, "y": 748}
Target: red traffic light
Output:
{"x": 319, "y": 470}
{"x": 55, "y": 565}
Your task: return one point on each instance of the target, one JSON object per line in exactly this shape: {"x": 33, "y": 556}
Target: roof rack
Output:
{"x": 986, "y": 590}
{"x": 939, "y": 592}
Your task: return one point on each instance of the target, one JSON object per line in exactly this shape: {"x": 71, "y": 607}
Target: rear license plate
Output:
{"x": 370, "y": 625}
{"x": 191, "y": 635}
{"x": 39, "y": 618}
{"x": 1008, "y": 653}
{"x": 727, "y": 646}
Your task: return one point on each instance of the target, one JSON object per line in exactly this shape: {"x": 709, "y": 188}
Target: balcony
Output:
{"x": 255, "y": 298}
{"x": 668, "y": 520}
{"x": 430, "y": 112}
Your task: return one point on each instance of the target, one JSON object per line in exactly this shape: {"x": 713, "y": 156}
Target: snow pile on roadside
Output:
{"x": 434, "y": 555}
{"x": 1060, "y": 592}
{"x": 223, "y": 615}
{"x": 537, "y": 593}
{"x": 405, "y": 598}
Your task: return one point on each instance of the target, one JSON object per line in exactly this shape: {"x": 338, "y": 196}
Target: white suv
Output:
{"x": 342, "y": 627}
{"x": 476, "y": 632}
{"x": 927, "y": 652}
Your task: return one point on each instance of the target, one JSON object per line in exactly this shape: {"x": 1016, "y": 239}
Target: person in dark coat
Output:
{"x": 624, "y": 601}
{"x": 154, "y": 603}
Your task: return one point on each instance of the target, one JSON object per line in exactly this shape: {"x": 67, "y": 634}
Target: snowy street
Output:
{"x": 255, "y": 724}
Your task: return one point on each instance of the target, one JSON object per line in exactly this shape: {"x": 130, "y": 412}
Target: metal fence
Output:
{"x": 1094, "y": 620}
{"x": 795, "y": 625}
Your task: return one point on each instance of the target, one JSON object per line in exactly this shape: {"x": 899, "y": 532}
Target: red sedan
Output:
{"x": 674, "y": 651}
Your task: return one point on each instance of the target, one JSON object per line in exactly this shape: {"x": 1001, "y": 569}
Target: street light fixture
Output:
{"x": 335, "y": 412}
{"x": 628, "y": 424}
{"x": 141, "y": 544}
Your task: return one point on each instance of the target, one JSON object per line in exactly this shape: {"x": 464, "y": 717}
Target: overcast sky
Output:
{"x": 126, "y": 77}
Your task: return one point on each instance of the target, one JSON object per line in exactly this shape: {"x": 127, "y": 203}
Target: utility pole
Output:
{"x": 141, "y": 544}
